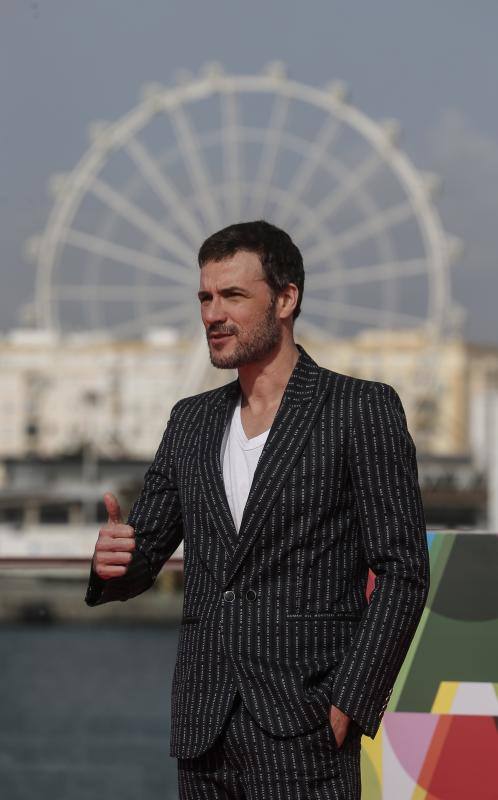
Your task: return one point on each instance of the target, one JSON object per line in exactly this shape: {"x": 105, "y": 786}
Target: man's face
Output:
{"x": 237, "y": 310}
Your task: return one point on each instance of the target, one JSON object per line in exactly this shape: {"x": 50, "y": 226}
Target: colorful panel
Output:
{"x": 438, "y": 739}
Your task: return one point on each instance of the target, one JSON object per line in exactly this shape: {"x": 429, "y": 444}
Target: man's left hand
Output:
{"x": 340, "y": 723}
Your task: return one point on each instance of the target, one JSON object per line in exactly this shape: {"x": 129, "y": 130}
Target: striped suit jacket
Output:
{"x": 278, "y": 611}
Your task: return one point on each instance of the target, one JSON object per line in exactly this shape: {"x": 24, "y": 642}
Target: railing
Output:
{"x": 33, "y": 563}
{"x": 57, "y": 548}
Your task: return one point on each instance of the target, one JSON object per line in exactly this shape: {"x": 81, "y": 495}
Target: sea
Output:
{"x": 85, "y": 711}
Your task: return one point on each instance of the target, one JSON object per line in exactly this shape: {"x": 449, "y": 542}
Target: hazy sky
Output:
{"x": 432, "y": 65}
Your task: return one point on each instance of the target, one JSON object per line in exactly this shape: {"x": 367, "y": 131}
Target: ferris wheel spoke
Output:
{"x": 126, "y": 255}
{"x": 118, "y": 293}
{"x": 269, "y": 154}
{"x": 363, "y": 230}
{"x": 232, "y": 155}
{"x": 353, "y": 313}
{"x": 137, "y": 266}
{"x": 152, "y": 173}
{"x": 306, "y": 171}
{"x": 198, "y": 174}
{"x": 368, "y": 274}
{"x": 141, "y": 220}
{"x": 330, "y": 204}
{"x": 165, "y": 316}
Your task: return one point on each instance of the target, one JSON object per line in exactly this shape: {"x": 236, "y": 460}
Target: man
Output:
{"x": 286, "y": 485}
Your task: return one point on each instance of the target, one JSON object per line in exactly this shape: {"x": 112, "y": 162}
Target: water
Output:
{"x": 85, "y": 712}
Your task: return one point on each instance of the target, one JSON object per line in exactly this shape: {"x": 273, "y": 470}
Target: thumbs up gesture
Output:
{"x": 115, "y": 543}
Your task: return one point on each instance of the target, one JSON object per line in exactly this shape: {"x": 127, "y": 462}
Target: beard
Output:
{"x": 263, "y": 338}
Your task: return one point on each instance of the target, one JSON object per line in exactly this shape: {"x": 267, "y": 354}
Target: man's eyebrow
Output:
{"x": 226, "y": 290}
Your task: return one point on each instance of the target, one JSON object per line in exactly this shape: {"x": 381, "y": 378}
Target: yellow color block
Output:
{"x": 444, "y": 697}
{"x": 373, "y": 750}
{"x": 418, "y": 793}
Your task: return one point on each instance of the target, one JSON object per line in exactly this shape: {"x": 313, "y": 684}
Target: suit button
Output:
{"x": 229, "y": 595}
{"x": 251, "y": 594}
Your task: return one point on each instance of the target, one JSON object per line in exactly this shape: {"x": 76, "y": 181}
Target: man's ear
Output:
{"x": 289, "y": 297}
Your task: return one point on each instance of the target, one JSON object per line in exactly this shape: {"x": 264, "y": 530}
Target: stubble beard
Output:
{"x": 266, "y": 335}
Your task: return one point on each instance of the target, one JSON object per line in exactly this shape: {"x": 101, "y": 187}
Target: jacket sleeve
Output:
{"x": 384, "y": 474}
{"x": 157, "y": 519}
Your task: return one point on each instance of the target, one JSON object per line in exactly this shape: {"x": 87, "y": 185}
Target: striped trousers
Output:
{"x": 247, "y": 763}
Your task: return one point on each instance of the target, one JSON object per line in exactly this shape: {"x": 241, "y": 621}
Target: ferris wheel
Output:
{"x": 119, "y": 250}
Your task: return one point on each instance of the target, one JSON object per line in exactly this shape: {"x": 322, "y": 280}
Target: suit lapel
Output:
{"x": 300, "y": 406}
{"x": 215, "y": 419}
{"x": 301, "y": 403}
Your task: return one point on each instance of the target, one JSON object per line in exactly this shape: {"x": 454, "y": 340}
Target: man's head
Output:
{"x": 251, "y": 287}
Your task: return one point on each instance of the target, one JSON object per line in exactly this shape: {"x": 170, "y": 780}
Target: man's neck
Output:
{"x": 263, "y": 382}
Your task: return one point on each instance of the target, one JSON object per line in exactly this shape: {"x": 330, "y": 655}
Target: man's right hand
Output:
{"x": 116, "y": 541}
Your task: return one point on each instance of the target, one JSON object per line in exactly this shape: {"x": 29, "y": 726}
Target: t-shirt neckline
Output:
{"x": 254, "y": 441}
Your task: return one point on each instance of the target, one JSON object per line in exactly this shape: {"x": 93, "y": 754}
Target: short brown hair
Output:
{"x": 281, "y": 259}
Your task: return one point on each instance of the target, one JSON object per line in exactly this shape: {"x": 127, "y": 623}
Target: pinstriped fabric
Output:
{"x": 335, "y": 491}
{"x": 246, "y": 762}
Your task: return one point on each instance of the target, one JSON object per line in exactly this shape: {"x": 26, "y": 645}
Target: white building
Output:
{"x": 58, "y": 395}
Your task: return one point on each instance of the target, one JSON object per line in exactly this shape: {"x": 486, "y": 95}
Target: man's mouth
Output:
{"x": 217, "y": 336}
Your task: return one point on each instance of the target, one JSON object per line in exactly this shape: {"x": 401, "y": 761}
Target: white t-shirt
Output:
{"x": 239, "y": 456}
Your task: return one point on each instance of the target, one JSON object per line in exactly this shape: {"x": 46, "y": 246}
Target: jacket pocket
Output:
{"x": 187, "y": 620}
{"x": 310, "y": 615}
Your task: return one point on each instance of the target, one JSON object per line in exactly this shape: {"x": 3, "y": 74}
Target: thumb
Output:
{"x": 113, "y": 509}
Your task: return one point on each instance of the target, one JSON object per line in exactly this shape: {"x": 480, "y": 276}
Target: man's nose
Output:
{"x": 213, "y": 312}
